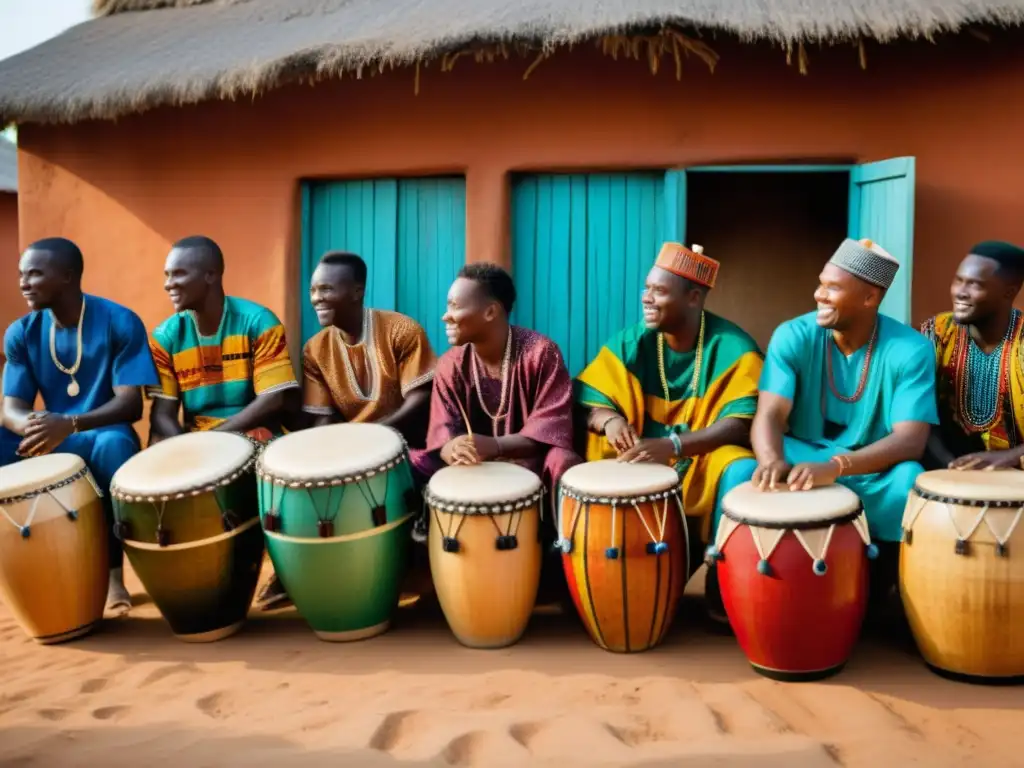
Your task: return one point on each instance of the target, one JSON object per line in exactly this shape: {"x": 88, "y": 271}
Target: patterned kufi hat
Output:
{"x": 689, "y": 263}
{"x": 866, "y": 260}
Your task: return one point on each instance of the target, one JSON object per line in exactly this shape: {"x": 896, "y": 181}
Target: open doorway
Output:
{"x": 772, "y": 232}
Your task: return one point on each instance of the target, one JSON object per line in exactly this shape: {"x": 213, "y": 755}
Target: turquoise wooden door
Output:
{"x": 882, "y": 209}
{"x": 410, "y": 232}
{"x": 582, "y": 245}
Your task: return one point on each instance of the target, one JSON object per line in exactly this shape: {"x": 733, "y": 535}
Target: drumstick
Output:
{"x": 469, "y": 429}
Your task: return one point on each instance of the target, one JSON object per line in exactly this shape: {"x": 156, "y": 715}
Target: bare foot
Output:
{"x": 119, "y": 602}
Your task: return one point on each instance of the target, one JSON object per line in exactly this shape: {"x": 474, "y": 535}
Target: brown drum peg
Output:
{"x": 450, "y": 544}
{"x": 380, "y": 515}
{"x": 229, "y": 521}
{"x": 163, "y": 537}
{"x": 961, "y": 547}
{"x": 72, "y": 515}
{"x": 325, "y": 528}
{"x": 272, "y": 521}
{"x": 1001, "y": 549}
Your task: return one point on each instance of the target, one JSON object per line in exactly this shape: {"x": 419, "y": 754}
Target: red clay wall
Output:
{"x": 125, "y": 190}
{"x": 11, "y": 303}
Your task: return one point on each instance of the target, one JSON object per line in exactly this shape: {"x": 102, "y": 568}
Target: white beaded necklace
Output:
{"x": 505, "y": 370}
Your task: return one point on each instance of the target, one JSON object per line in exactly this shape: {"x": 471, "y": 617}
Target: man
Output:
{"x": 678, "y": 388}
{"x": 222, "y": 360}
{"x": 366, "y": 365}
{"x": 848, "y": 395}
{"x": 88, "y": 359}
{"x": 979, "y": 348}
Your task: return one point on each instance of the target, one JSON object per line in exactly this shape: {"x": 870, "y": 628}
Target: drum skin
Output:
{"x": 55, "y": 581}
{"x": 487, "y": 595}
{"x": 794, "y": 624}
{"x": 627, "y": 604}
{"x": 966, "y": 612}
{"x": 345, "y": 587}
{"x": 204, "y": 579}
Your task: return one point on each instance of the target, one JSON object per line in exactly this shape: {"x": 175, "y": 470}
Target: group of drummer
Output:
{"x": 843, "y": 394}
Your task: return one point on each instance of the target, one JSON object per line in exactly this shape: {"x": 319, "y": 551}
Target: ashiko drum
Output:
{"x": 337, "y": 504}
{"x": 53, "y": 547}
{"x": 625, "y": 550}
{"x": 485, "y": 550}
{"x": 187, "y": 513}
{"x": 793, "y": 570}
{"x": 962, "y": 573}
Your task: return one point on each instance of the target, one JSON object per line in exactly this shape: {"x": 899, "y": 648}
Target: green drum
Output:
{"x": 337, "y": 504}
{"x": 187, "y": 512}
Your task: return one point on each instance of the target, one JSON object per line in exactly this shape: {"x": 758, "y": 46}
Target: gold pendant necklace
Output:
{"x": 73, "y": 388}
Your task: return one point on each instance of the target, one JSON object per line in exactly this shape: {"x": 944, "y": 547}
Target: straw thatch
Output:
{"x": 142, "y": 53}
{"x": 8, "y": 166}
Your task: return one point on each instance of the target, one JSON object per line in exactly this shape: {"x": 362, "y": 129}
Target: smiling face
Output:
{"x": 335, "y": 294}
{"x": 42, "y": 279}
{"x": 979, "y": 291}
{"x": 668, "y": 300}
{"x": 842, "y": 298}
{"x": 469, "y": 314}
{"x": 187, "y": 278}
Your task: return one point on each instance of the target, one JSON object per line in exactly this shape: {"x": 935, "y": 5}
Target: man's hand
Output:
{"x": 653, "y": 451}
{"x": 770, "y": 475}
{"x": 989, "y": 460}
{"x": 466, "y": 450}
{"x": 804, "y": 477}
{"x": 44, "y": 432}
{"x": 620, "y": 434}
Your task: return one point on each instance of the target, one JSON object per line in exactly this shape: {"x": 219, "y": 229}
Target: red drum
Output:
{"x": 793, "y": 571}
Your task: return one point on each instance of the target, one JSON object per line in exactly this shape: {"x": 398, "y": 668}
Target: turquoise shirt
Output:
{"x": 900, "y": 385}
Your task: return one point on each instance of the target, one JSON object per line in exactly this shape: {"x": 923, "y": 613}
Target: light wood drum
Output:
{"x": 624, "y": 549}
{"x": 53, "y": 547}
{"x": 485, "y": 552}
{"x": 962, "y": 572}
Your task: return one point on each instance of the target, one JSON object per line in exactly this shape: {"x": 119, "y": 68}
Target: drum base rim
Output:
{"x": 788, "y": 676}
{"x": 353, "y": 634}
{"x": 71, "y": 634}
{"x": 971, "y": 679}
{"x": 212, "y": 636}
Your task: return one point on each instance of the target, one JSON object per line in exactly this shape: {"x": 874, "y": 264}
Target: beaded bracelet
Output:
{"x": 677, "y": 444}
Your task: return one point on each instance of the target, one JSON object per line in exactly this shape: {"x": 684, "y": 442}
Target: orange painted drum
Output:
{"x": 53, "y": 547}
{"x": 624, "y": 549}
{"x": 485, "y": 553}
{"x": 962, "y": 573}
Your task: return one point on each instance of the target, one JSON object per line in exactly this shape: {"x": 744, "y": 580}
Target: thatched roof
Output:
{"x": 142, "y": 53}
{"x": 8, "y": 166}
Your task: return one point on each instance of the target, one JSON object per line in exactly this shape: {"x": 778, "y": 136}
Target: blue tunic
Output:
{"x": 900, "y": 387}
{"x": 115, "y": 353}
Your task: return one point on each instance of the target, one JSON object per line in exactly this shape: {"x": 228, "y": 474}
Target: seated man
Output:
{"x": 678, "y": 388}
{"x": 513, "y": 386}
{"x": 979, "y": 348}
{"x": 222, "y": 360}
{"x": 366, "y": 365}
{"x": 88, "y": 359}
{"x": 848, "y": 396}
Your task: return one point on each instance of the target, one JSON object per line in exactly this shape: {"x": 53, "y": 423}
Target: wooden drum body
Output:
{"x": 187, "y": 514}
{"x": 54, "y": 559}
{"x": 624, "y": 549}
{"x": 793, "y": 570}
{"x": 485, "y": 553}
{"x": 962, "y": 572}
{"x": 337, "y": 504}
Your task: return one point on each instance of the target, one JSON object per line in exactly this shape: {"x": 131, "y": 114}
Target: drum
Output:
{"x": 54, "y": 566}
{"x": 793, "y": 571}
{"x": 484, "y": 548}
{"x": 337, "y": 504}
{"x": 186, "y": 511}
{"x": 625, "y": 550}
{"x": 962, "y": 573}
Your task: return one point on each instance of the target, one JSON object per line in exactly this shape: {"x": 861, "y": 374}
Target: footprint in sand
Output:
{"x": 217, "y": 705}
{"x": 94, "y": 686}
{"x": 168, "y": 670}
{"x": 110, "y": 713}
{"x": 391, "y": 731}
{"x": 53, "y": 715}
{"x": 482, "y": 748}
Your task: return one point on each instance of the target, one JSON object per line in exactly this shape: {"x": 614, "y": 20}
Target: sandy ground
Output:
{"x": 132, "y": 695}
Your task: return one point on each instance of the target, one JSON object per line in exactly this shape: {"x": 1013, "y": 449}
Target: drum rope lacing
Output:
{"x": 507, "y": 539}
{"x": 34, "y": 496}
{"x": 819, "y": 565}
{"x": 962, "y": 539}
{"x": 229, "y": 521}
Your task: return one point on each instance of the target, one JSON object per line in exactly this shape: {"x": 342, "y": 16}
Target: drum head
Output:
{"x": 974, "y": 485}
{"x": 492, "y": 482}
{"x": 609, "y": 478}
{"x": 182, "y": 464}
{"x": 783, "y": 509}
{"x": 331, "y": 452}
{"x": 30, "y": 476}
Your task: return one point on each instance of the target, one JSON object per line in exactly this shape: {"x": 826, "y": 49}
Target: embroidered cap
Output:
{"x": 689, "y": 263}
{"x": 867, "y": 260}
